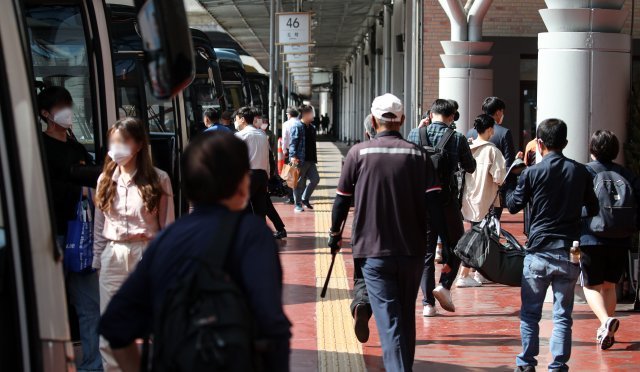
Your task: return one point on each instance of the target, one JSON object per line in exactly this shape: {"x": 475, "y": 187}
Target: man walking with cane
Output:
{"x": 389, "y": 237}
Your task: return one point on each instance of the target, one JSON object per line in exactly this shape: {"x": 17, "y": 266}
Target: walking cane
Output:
{"x": 333, "y": 260}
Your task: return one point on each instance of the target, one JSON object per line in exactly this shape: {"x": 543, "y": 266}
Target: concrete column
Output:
{"x": 466, "y": 76}
{"x": 386, "y": 50}
{"x": 397, "y": 58}
{"x": 584, "y": 71}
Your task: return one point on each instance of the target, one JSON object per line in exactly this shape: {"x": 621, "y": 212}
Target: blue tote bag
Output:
{"x": 78, "y": 252}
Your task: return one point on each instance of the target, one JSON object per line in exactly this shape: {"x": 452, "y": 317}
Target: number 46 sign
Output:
{"x": 293, "y": 28}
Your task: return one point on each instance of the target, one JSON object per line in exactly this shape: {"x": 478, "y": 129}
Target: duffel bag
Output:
{"x": 480, "y": 249}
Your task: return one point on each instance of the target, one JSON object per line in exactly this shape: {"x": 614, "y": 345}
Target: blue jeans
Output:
{"x": 84, "y": 296}
{"x": 541, "y": 270}
{"x": 392, "y": 284}
{"x": 308, "y": 171}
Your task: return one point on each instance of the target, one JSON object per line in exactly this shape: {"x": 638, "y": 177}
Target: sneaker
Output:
{"x": 361, "y": 322}
{"x": 429, "y": 311}
{"x": 467, "y": 282}
{"x": 525, "y": 369}
{"x": 606, "y": 333}
{"x": 443, "y": 296}
{"x": 438, "y": 257}
{"x": 280, "y": 234}
{"x": 298, "y": 208}
{"x": 480, "y": 279}
{"x": 307, "y": 204}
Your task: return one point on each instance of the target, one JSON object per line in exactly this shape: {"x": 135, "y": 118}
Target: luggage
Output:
{"x": 480, "y": 248}
{"x": 78, "y": 250}
{"x": 291, "y": 174}
{"x": 277, "y": 187}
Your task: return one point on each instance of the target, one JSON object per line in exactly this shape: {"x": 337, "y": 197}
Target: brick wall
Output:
{"x": 505, "y": 18}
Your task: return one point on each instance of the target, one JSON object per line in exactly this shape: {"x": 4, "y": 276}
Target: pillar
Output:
{"x": 584, "y": 71}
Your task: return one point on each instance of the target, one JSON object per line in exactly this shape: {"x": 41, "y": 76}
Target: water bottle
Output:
{"x": 574, "y": 253}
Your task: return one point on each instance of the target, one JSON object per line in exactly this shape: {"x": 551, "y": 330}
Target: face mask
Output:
{"x": 120, "y": 153}
{"x": 64, "y": 118}
{"x": 264, "y": 126}
{"x": 237, "y": 125}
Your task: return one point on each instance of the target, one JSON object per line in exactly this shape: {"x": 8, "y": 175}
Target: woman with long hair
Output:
{"x": 133, "y": 202}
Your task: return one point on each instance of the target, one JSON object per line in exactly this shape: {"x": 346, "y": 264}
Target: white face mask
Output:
{"x": 264, "y": 126}
{"x": 120, "y": 153}
{"x": 64, "y": 118}
{"x": 237, "y": 124}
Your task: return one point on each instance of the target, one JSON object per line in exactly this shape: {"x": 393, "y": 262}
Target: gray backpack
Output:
{"x": 617, "y": 216}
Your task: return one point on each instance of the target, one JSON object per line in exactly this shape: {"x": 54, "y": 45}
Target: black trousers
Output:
{"x": 273, "y": 215}
{"x": 360, "y": 294}
{"x": 258, "y": 189}
{"x": 454, "y": 231}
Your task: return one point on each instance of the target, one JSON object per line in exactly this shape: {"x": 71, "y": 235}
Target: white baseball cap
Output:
{"x": 387, "y": 107}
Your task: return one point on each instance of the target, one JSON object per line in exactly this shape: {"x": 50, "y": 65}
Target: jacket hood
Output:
{"x": 477, "y": 143}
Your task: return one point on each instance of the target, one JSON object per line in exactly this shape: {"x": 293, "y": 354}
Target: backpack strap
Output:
{"x": 424, "y": 138}
{"x": 597, "y": 167}
{"x": 445, "y": 139}
{"x": 216, "y": 253}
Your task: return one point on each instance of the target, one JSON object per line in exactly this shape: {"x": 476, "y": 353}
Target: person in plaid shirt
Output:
{"x": 459, "y": 155}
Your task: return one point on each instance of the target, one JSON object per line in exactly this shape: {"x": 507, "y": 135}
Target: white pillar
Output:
{"x": 584, "y": 74}
{"x": 469, "y": 87}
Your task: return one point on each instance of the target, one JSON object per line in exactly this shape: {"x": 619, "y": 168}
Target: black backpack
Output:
{"x": 617, "y": 215}
{"x": 204, "y": 322}
{"x": 438, "y": 155}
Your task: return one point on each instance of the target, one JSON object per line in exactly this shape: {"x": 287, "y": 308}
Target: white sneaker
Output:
{"x": 429, "y": 311}
{"x": 480, "y": 279}
{"x": 467, "y": 282}
{"x": 443, "y": 296}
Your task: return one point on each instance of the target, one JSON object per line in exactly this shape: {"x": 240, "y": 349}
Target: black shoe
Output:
{"x": 307, "y": 204}
{"x": 289, "y": 201}
{"x": 525, "y": 369}
{"x": 280, "y": 234}
{"x": 361, "y": 324}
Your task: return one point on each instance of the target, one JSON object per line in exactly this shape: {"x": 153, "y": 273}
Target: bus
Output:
{"x": 207, "y": 90}
{"x": 64, "y": 43}
{"x": 237, "y": 92}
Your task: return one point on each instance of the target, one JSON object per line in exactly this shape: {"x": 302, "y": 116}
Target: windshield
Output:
{"x": 233, "y": 95}
{"x": 59, "y": 53}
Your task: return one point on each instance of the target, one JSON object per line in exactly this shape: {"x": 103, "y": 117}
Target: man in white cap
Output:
{"x": 387, "y": 177}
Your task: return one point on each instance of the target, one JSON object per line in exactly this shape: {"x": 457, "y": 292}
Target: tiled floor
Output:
{"x": 482, "y": 335}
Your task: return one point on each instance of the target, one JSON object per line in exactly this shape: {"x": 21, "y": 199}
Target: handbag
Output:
{"x": 78, "y": 250}
{"x": 291, "y": 174}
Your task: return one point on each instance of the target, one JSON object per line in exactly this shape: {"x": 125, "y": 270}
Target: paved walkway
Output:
{"x": 482, "y": 335}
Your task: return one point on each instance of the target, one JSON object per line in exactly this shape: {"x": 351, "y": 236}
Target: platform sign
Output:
{"x": 294, "y": 28}
{"x": 297, "y": 57}
{"x": 298, "y": 64}
{"x": 296, "y": 49}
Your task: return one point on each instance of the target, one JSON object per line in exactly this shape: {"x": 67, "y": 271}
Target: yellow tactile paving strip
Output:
{"x": 338, "y": 348}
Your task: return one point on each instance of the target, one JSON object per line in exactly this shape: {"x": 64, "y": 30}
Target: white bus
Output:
{"x": 64, "y": 43}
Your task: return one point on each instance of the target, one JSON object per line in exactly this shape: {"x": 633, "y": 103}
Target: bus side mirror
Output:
{"x": 168, "y": 50}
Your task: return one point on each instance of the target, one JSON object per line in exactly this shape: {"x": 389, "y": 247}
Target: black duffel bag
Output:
{"x": 480, "y": 248}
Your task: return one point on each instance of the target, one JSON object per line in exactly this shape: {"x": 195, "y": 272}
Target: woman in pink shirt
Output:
{"x": 133, "y": 202}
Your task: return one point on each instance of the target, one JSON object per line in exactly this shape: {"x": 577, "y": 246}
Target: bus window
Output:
{"x": 234, "y": 94}
{"x": 128, "y": 85}
{"x": 160, "y": 114}
{"x": 199, "y": 96}
{"x": 59, "y": 55}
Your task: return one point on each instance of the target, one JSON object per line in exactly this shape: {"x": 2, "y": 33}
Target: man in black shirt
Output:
{"x": 558, "y": 190}
{"x": 388, "y": 177}
{"x": 216, "y": 181}
{"x": 70, "y": 167}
